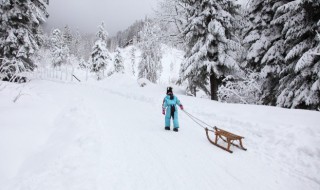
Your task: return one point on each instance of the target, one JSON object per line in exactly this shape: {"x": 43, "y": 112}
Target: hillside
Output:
{"x": 110, "y": 135}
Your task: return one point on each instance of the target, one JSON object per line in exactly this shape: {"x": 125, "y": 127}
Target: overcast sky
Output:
{"x": 86, "y": 15}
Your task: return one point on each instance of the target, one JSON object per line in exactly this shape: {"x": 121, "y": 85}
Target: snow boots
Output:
{"x": 174, "y": 129}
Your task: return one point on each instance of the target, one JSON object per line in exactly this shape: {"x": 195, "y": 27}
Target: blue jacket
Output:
{"x": 167, "y": 103}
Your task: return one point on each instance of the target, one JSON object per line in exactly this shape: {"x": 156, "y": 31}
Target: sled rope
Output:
{"x": 197, "y": 120}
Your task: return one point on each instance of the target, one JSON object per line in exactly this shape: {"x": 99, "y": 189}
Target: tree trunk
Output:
{"x": 194, "y": 90}
{"x": 214, "y": 86}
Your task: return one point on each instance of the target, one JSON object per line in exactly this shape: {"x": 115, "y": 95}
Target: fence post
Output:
{"x": 87, "y": 68}
{"x": 60, "y": 73}
{"x": 72, "y": 71}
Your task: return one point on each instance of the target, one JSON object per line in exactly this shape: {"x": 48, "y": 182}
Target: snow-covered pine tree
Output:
{"x": 118, "y": 61}
{"x": 59, "y": 50}
{"x": 150, "y": 64}
{"x": 259, "y": 35}
{"x": 67, "y": 37}
{"x": 83, "y": 64}
{"x": 264, "y": 46}
{"x": 100, "y": 55}
{"x": 87, "y": 42}
{"x": 20, "y": 35}
{"x": 76, "y": 43}
{"x": 211, "y": 44}
{"x": 126, "y": 37}
{"x": 299, "y": 85}
{"x": 133, "y": 59}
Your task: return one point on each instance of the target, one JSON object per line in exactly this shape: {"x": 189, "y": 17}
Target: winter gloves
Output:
{"x": 181, "y": 107}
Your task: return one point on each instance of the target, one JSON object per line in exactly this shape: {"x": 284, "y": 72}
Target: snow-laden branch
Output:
{"x": 318, "y": 35}
{"x": 314, "y": 53}
{"x": 233, "y": 92}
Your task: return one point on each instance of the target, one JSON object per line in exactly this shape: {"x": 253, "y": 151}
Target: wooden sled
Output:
{"x": 229, "y": 138}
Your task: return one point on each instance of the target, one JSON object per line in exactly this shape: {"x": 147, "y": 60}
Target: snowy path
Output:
{"x": 110, "y": 136}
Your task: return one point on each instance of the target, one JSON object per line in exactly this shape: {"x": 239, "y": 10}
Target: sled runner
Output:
{"x": 226, "y": 137}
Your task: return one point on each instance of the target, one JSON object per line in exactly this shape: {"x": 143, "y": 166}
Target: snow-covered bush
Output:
{"x": 84, "y": 64}
{"x": 246, "y": 90}
{"x": 143, "y": 82}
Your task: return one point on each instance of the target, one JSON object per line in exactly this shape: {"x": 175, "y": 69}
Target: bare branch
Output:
{"x": 17, "y": 97}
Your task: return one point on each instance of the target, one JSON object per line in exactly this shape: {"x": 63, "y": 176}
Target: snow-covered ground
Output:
{"x": 110, "y": 135}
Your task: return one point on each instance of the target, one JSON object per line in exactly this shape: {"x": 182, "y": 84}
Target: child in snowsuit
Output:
{"x": 169, "y": 109}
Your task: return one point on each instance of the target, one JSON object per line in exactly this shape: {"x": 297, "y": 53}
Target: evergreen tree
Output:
{"x": 59, "y": 50}
{"x": 150, "y": 65}
{"x": 299, "y": 85}
{"x": 100, "y": 55}
{"x": 83, "y": 64}
{"x": 209, "y": 34}
{"x": 118, "y": 62}
{"x": 125, "y": 38}
{"x": 67, "y": 37}
{"x": 260, "y": 35}
{"x": 20, "y": 35}
{"x": 87, "y": 43}
{"x": 76, "y": 49}
{"x": 133, "y": 59}
{"x": 265, "y": 47}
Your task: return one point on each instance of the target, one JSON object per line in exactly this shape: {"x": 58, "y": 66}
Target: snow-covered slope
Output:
{"x": 110, "y": 135}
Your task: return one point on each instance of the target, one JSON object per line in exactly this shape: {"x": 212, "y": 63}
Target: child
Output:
{"x": 169, "y": 109}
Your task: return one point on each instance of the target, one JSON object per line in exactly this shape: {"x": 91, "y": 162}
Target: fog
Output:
{"x": 86, "y": 15}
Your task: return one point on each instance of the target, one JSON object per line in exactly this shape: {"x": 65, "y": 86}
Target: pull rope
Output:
{"x": 197, "y": 120}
